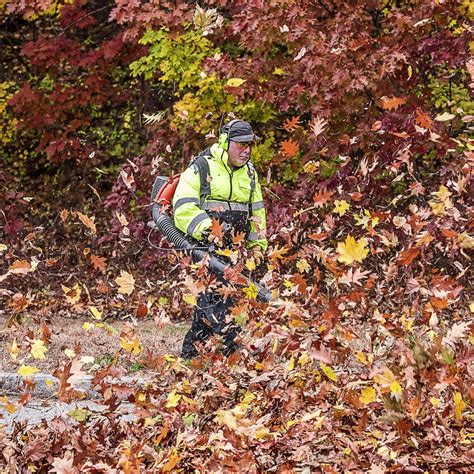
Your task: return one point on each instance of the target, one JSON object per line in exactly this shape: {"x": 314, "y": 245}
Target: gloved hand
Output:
{"x": 257, "y": 255}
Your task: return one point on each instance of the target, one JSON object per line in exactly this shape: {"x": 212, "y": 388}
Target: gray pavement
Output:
{"x": 43, "y": 405}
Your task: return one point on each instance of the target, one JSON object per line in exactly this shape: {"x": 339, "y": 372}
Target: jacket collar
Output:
{"x": 221, "y": 155}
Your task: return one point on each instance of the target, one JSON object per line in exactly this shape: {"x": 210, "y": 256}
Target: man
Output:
{"x": 221, "y": 184}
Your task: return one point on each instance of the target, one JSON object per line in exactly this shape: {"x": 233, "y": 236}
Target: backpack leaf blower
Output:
{"x": 161, "y": 197}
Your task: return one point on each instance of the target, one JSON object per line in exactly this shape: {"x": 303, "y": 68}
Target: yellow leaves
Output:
{"x": 235, "y": 82}
{"x": 304, "y": 359}
{"x": 38, "y": 349}
{"x": 341, "y": 207}
{"x": 3, "y": 247}
{"x": 303, "y": 266}
{"x": 88, "y": 222}
{"x": 87, "y": 326}
{"x": 311, "y": 166}
{"x": 73, "y": 295}
{"x": 226, "y": 418}
{"x": 442, "y": 201}
{"x": 173, "y": 399}
{"x": 190, "y": 299}
{"x": 13, "y": 349}
{"x": 125, "y": 282}
{"x": 251, "y": 291}
{"x": 250, "y": 264}
{"x": 290, "y": 365}
{"x": 96, "y": 314}
{"x": 388, "y": 383}
{"x": 352, "y": 251}
{"x": 131, "y": 345}
{"x": 27, "y": 370}
{"x": 366, "y": 220}
{"x": 368, "y": 395}
{"x": 328, "y": 372}
{"x": 459, "y": 405}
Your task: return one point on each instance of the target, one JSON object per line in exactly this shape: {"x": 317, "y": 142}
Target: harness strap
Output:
{"x": 251, "y": 172}
{"x": 204, "y": 173}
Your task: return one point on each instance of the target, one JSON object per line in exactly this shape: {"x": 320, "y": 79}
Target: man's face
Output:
{"x": 239, "y": 153}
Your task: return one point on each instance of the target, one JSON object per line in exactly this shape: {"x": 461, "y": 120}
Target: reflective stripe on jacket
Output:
{"x": 230, "y": 191}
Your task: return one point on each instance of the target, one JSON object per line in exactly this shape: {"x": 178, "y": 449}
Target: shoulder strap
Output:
{"x": 203, "y": 168}
{"x": 251, "y": 171}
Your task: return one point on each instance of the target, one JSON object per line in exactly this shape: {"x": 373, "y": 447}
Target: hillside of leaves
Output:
{"x": 363, "y": 362}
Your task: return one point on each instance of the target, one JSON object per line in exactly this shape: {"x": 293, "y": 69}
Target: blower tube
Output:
{"x": 165, "y": 224}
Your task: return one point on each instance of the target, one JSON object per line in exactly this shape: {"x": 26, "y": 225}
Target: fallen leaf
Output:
{"x": 27, "y": 370}
{"x": 234, "y": 82}
{"x": 88, "y": 222}
{"x": 368, "y": 395}
{"x": 125, "y": 282}
{"x": 38, "y": 349}
{"x": 352, "y": 251}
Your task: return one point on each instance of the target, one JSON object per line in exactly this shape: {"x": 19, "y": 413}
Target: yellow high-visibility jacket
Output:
{"x": 230, "y": 192}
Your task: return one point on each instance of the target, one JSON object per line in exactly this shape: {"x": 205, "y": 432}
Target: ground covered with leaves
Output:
{"x": 363, "y": 360}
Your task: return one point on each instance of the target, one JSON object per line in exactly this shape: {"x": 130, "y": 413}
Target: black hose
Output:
{"x": 166, "y": 225}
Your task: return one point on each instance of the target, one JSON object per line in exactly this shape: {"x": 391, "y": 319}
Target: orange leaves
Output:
{"x": 290, "y": 148}
{"x": 423, "y": 120}
{"x": 292, "y": 124}
{"x": 217, "y": 230}
{"x": 393, "y": 103}
{"x": 321, "y": 198}
{"x": 408, "y": 255}
{"x": 99, "y": 263}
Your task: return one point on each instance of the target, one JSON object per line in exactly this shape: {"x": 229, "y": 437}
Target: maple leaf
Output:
{"x": 318, "y": 126}
{"x": 289, "y": 148}
{"x": 341, "y": 207}
{"x": 368, "y": 395}
{"x": 392, "y": 103}
{"x": 125, "y": 282}
{"x": 352, "y": 251}
{"x": 233, "y": 274}
{"x": 292, "y": 124}
{"x": 99, "y": 263}
{"x": 38, "y": 349}
{"x": 128, "y": 180}
{"x": 64, "y": 465}
{"x": 88, "y": 222}
{"x": 217, "y": 230}
{"x": 131, "y": 345}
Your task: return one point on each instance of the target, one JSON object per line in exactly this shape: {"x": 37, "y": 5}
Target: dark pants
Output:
{"x": 209, "y": 318}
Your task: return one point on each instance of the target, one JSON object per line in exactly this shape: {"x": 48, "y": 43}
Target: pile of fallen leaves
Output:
{"x": 333, "y": 375}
